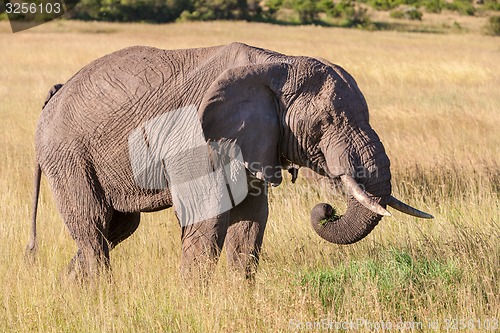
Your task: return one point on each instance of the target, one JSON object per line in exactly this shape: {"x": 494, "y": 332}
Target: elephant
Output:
{"x": 279, "y": 112}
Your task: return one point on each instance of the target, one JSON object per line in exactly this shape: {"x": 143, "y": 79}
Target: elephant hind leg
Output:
{"x": 92, "y": 256}
{"x": 122, "y": 226}
{"x": 86, "y": 213}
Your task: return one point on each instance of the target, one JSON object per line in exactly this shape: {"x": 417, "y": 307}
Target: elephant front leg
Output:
{"x": 246, "y": 230}
{"x": 201, "y": 246}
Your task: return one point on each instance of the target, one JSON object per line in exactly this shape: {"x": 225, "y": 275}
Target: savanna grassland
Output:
{"x": 434, "y": 101}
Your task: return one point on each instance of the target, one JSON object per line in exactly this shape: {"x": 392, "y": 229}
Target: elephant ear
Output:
{"x": 242, "y": 106}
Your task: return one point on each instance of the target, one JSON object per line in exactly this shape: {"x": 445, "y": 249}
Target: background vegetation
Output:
{"x": 344, "y": 13}
{"x": 434, "y": 101}
{"x": 286, "y": 11}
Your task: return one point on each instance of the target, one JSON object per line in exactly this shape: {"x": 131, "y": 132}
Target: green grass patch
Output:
{"x": 396, "y": 278}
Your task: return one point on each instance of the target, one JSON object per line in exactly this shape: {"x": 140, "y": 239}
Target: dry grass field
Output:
{"x": 434, "y": 101}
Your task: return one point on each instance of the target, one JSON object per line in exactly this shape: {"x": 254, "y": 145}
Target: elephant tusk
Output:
{"x": 404, "y": 208}
{"x": 357, "y": 192}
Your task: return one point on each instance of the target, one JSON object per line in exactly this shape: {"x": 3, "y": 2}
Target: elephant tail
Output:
{"x": 51, "y": 93}
{"x": 31, "y": 248}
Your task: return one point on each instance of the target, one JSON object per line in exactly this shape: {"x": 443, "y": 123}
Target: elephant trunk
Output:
{"x": 354, "y": 225}
{"x": 367, "y": 199}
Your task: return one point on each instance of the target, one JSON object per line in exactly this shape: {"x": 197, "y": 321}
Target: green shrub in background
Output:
{"x": 345, "y": 8}
{"x": 271, "y": 8}
{"x": 205, "y": 10}
{"x": 351, "y": 14}
{"x": 389, "y": 4}
{"x": 327, "y": 7}
{"x": 397, "y": 14}
{"x": 384, "y": 4}
{"x": 308, "y": 10}
{"x": 433, "y": 6}
{"x": 493, "y": 26}
{"x": 464, "y": 7}
{"x": 129, "y": 10}
{"x": 411, "y": 13}
{"x": 491, "y": 5}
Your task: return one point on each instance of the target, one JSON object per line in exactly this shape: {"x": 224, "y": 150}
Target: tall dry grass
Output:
{"x": 434, "y": 101}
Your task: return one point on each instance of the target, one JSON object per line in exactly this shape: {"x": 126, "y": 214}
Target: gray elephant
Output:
{"x": 275, "y": 110}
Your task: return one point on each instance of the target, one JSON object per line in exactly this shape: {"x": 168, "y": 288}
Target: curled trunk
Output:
{"x": 354, "y": 225}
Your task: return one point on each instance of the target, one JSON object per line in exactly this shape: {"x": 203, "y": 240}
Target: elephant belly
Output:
{"x": 143, "y": 201}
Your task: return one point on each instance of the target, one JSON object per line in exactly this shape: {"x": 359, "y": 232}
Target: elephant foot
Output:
{"x": 244, "y": 265}
{"x": 243, "y": 244}
{"x": 198, "y": 264}
{"x": 201, "y": 247}
{"x": 82, "y": 270}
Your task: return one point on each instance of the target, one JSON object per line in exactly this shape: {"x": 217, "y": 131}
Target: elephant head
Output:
{"x": 311, "y": 113}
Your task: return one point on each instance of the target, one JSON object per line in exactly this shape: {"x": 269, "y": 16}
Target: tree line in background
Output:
{"x": 345, "y": 13}
{"x": 350, "y": 12}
